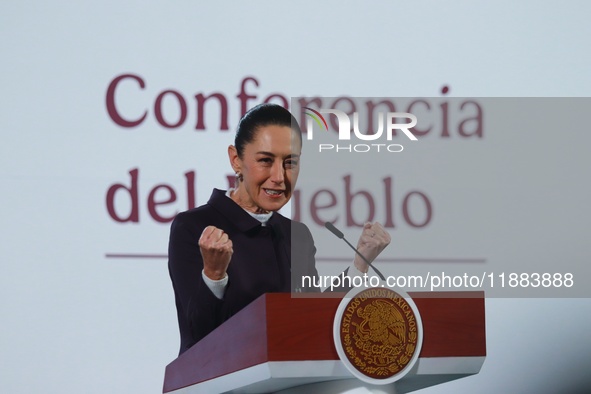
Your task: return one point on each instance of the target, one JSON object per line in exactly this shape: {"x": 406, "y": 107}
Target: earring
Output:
{"x": 239, "y": 176}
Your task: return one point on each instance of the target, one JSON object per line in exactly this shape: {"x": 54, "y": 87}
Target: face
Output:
{"x": 269, "y": 168}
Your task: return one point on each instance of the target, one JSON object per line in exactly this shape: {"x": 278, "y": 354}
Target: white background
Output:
{"x": 76, "y": 321}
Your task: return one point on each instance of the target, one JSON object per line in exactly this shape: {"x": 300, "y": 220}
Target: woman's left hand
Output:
{"x": 372, "y": 241}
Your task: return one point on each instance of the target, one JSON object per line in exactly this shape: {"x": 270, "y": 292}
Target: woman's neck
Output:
{"x": 234, "y": 194}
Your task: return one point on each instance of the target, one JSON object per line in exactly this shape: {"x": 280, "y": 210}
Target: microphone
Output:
{"x": 334, "y": 230}
{"x": 340, "y": 235}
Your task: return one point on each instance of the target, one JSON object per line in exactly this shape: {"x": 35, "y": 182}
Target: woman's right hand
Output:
{"x": 216, "y": 250}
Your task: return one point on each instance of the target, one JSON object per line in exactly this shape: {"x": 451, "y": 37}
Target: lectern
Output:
{"x": 279, "y": 343}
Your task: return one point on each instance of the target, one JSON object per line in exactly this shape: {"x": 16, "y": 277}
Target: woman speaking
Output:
{"x": 225, "y": 254}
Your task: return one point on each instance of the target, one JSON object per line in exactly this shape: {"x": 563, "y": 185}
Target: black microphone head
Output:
{"x": 334, "y": 230}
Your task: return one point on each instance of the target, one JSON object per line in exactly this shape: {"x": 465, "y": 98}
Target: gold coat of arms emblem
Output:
{"x": 379, "y": 333}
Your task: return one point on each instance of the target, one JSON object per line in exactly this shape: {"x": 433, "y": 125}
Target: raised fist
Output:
{"x": 216, "y": 250}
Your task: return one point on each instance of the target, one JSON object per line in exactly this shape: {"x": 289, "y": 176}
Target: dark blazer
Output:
{"x": 265, "y": 260}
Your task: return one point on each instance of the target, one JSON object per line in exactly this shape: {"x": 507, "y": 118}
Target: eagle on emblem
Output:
{"x": 382, "y": 322}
